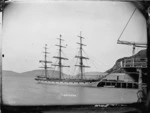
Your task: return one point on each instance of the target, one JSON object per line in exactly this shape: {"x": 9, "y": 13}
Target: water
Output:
{"x": 24, "y": 90}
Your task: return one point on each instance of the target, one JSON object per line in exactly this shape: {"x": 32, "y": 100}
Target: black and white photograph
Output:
{"x": 79, "y": 56}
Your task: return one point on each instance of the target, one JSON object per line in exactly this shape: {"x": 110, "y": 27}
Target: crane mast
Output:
{"x": 134, "y": 44}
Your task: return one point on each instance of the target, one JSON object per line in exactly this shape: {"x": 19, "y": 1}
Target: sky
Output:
{"x": 28, "y": 26}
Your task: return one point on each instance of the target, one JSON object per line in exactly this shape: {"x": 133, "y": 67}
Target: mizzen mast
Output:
{"x": 60, "y": 58}
{"x": 81, "y": 57}
{"x": 45, "y": 61}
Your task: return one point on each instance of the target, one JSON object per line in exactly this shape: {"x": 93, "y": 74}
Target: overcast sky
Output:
{"x": 27, "y": 27}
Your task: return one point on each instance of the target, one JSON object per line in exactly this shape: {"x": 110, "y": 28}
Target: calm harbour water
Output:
{"x": 24, "y": 90}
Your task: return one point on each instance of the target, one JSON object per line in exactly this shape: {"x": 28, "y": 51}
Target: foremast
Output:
{"x": 60, "y": 58}
{"x": 81, "y": 57}
{"x": 45, "y": 61}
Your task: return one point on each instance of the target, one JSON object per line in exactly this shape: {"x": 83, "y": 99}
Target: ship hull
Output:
{"x": 88, "y": 83}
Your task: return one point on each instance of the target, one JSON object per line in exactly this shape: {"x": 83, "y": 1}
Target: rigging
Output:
{"x": 134, "y": 44}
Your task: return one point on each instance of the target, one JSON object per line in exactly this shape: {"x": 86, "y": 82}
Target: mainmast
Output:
{"x": 60, "y": 58}
{"x": 45, "y": 61}
{"x": 81, "y": 57}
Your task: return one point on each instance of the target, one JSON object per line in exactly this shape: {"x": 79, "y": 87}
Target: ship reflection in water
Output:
{"x": 24, "y": 90}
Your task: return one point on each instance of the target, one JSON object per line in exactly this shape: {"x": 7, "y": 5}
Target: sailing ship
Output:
{"x": 81, "y": 81}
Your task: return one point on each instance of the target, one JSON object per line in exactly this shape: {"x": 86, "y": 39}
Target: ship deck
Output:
{"x": 68, "y": 80}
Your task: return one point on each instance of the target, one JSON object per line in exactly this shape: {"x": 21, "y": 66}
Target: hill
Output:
{"x": 33, "y": 73}
{"x": 51, "y": 73}
{"x": 140, "y": 54}
{"x": 9, "y": 73}
{"x": 55, "y": 74}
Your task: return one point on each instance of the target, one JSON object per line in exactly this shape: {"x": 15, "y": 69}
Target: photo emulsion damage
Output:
{"x": 74, "y": 55}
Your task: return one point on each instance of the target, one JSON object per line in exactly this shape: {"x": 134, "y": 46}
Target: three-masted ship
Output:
{"x": 80, "y": 81}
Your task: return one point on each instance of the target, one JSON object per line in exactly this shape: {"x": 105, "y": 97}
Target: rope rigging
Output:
{"x": 54, "y": 68}
{"x": 72, "y": 61}
{"x": 93, "y": 62}
{"x": 127, "y": 24}
{"x": 75, "y": 68}
{"x": 108, "y": 74}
